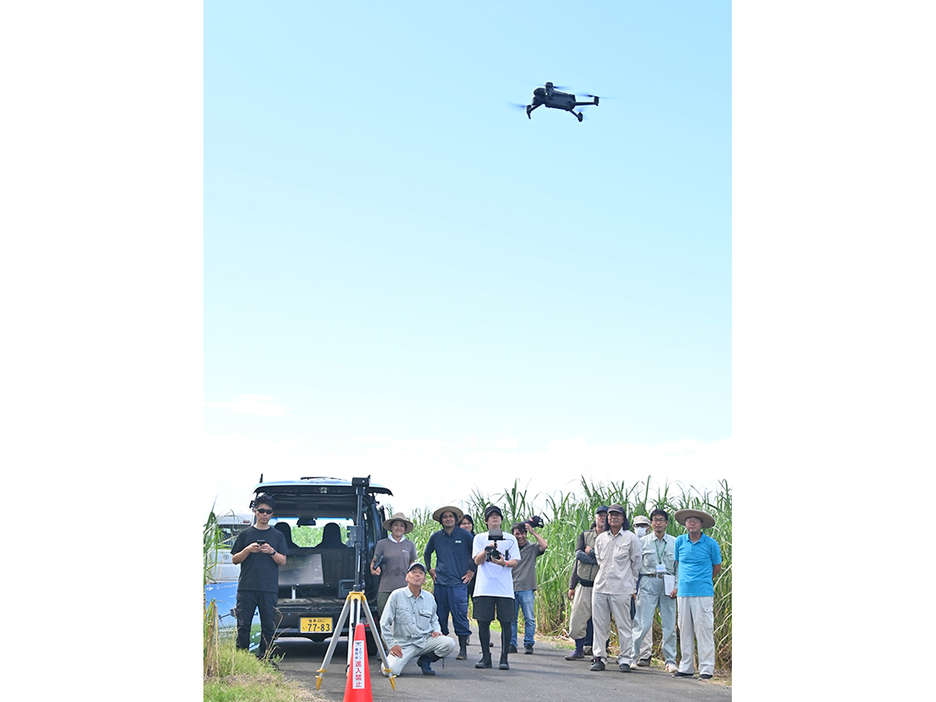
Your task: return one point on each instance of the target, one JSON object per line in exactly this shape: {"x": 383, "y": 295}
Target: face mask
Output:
{"x": 641, "y": 531}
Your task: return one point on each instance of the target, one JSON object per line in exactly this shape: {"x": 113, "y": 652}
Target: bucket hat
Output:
{"x": 398, "y": 517}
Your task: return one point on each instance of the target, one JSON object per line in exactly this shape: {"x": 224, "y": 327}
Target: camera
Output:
{"x": 493, "y": 554}
{"x": 535, "y": 521}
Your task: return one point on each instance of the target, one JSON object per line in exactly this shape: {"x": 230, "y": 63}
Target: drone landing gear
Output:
{"x": 580, "y": 116}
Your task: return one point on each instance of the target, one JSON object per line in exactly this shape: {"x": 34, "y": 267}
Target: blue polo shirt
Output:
{"x": 453, "y": 555}
{"x": 695, "y": 565}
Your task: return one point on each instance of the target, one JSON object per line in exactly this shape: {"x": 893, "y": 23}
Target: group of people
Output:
{"x": 633, "y": 574}
{"x": 617, "y": 572}
{"x": 496, "y": 569}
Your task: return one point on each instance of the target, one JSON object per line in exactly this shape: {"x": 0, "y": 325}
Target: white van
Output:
{"x": 230, "y": 524}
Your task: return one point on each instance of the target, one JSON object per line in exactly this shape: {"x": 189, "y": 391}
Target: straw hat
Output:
{"x": 398, "y": 517}
{"x": 437, "y": 515}
{"x": 641, "y": 520}
{"x": 708, "y": 521}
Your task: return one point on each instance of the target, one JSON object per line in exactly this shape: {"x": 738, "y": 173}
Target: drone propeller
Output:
{"x": 516, "y": 105}
{"x": 603, "y": 97}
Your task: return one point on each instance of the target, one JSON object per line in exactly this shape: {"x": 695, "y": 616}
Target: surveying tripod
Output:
{"x": 355, "y": 603}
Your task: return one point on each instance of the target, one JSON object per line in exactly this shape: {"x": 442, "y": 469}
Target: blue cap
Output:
{"x": 601, "y": 509}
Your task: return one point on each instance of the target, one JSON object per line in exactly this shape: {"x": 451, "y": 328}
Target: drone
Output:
{"x": 551, "y": 97}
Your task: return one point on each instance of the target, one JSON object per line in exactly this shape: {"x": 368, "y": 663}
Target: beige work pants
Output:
{"x": 603, "y": 606}
{"x": 581, "y": 611}
{"x": 695, "y": 617}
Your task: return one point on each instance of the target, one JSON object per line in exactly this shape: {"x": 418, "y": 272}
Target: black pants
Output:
{"x": 247, "y": 602}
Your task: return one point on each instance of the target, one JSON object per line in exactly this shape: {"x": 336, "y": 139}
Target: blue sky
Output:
{"x": 109, "y": 304}
{"x": 393, "y": 253}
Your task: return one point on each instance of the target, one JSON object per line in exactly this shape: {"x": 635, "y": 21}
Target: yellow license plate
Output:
{"x": 315, "y": 625}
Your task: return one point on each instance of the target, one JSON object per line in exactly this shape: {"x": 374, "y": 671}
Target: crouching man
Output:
{"x": 410, "y": 625}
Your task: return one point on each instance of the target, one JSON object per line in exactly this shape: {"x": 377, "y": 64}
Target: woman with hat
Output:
{"x": 392, "y": 558}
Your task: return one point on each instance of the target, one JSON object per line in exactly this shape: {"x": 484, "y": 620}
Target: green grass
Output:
{"x": 243, "y": 678}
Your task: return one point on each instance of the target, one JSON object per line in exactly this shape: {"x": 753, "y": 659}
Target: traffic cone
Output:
{"x": 357, "y": 688}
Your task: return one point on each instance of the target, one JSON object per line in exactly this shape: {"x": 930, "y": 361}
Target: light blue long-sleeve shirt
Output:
{"x": 407, "y": 618}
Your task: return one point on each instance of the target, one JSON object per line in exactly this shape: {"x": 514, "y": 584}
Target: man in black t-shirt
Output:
{"x": 260, "y": 551}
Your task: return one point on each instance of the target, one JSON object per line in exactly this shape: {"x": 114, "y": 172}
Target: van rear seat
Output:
{"x": 337, "y": 565}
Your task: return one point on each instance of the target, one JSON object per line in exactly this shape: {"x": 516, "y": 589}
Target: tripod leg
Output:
{"x": 379, "y": 642}
{"x": 334, "y": 642}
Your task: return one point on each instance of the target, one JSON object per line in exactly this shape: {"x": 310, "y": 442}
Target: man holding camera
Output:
{"x": 581, "y": 583}
{"x": 524, "y": 581}
{"x": 410, "y": 626}
{"x": 618, "y": 552}
{"x": 495, "y": 553}
{"x": 260, "y": 551}
{"x": 454, "y": 570}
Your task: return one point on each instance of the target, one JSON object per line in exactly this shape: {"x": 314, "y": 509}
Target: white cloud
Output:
{"x": 426, "y": 472}
{"x": 422, "y": 445}
{"x": 253, "y": 404}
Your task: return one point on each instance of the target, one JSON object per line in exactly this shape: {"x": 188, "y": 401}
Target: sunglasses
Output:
{"x": 260, "y": 510}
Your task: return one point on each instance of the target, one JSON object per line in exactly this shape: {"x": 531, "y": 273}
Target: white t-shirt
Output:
{"x": 493, "y": 580}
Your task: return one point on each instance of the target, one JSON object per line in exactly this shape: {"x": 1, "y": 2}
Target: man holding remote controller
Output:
{"x": 260, "y": 551}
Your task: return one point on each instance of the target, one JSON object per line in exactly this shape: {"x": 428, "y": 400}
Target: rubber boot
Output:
{"x": 505, "y": 643}
{"x": 423, "y": 663}
{"x": 484, "y": 634}
{"x": 462, "y": 645}
{"x": 579, "y": 652}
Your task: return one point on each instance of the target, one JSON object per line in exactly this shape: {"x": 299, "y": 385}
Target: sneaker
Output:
{"x": 575, "y": 656}
{"x": 705, "y": 676}
{"x": 512, "y": 649}
{"x": 597, "y": 664}
{"x": 528, "y": 650}
{"x": 670, "y": 668}
{"x": 644, "y": 663}
{"x": 679, "y": 674}
{"x": 503, "y": 666}
{"x": 624, "y": 668}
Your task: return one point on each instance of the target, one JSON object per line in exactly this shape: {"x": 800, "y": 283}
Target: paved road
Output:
{"x": 545, "y": 675}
